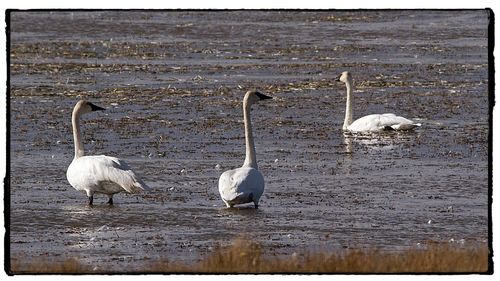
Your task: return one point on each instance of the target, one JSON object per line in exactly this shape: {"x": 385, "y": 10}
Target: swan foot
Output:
{"x": 256, "y": 205}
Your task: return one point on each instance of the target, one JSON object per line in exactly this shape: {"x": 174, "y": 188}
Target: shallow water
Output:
{"x": 173, "y": 82}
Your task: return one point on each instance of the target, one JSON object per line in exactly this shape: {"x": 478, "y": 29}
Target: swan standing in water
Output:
{"x": 98, "y": 174}
{"x": 245, "y": 184}
{"x": 373, "y": 122}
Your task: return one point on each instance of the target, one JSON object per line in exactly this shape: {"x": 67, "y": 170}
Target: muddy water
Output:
{"x": 172, "y": 83}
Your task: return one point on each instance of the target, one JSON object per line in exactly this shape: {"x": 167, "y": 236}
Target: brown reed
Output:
{"x": 47, "y": 266}
{"x": 248, "y": 257}
{"x": 244, "y": 256}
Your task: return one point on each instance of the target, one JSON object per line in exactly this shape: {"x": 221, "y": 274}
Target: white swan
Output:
{"x": 373, "y": 122}
{"x": 245, "y": 184}
{"x": 98, "y": 174}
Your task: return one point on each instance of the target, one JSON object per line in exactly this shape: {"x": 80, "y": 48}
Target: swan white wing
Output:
{"x": 367, "y": 123}
{"x": 241, "y": 185}
{"x": 396, "y": 122}
{"x": 227, "y": 186}
{"x": 104, "y": 172}
{"x": 377, "y": 122}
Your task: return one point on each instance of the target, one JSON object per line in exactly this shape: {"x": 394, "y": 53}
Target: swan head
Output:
{"x": 255, "y": 96}
{"x": 84, "y": 106}
{"x": 345, "y": 77}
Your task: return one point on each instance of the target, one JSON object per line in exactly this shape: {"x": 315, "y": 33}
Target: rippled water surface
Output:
{"x": 172, "y": 83}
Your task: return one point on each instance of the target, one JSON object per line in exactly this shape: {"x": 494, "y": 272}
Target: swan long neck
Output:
{"x": 348, "y": 106}
{"x": 77, "y": 136}
{"x": 250, "y": 157}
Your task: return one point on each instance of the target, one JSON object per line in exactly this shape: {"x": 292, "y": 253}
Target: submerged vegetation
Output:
{"x": 244, "y": 256}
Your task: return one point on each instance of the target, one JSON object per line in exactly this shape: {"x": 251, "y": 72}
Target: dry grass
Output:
{"x": 248, "y": 257}
{"x": 42, "y": 266}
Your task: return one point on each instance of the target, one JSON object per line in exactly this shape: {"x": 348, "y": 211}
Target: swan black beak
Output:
{"x": 262, "y": 96}
{"x": 95, "y": 107}
{"x": 338, "y": 78}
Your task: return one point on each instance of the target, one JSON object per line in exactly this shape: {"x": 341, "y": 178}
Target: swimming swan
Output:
{"x": 245, "y": 184}
{"x": 373, "y": 122}
{"x": 98, "y": 174}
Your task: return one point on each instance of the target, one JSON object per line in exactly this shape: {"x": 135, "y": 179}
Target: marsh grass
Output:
{"x": 244, "y": 256}
{"x": 248, "y": 257}
{"x": 47, "y": 266}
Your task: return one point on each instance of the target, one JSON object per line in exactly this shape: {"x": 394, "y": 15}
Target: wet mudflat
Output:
{"x": 172, "y": 83}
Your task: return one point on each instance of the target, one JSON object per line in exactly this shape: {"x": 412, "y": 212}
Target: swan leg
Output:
{"x": 227, "y": 204}
{"x": 110, "y": 201}
{"x": 256, "y": 203}
{"x": 90, "y": 200}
